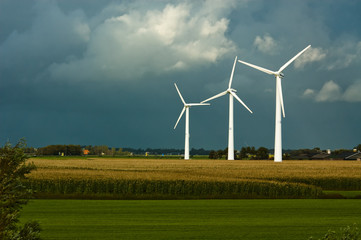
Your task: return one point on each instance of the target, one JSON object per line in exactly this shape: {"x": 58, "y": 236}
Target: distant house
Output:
{"x": 342, "y": 155}
{"x": 355, "y": 156}
{"x": 301, "y": 156}
{"x": 321, "y": 155}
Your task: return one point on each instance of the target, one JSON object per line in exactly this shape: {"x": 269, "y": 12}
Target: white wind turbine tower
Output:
{"x": 232, "y": 94}
{"x": 279, "y": 102}
{"x": 186, "y": 109}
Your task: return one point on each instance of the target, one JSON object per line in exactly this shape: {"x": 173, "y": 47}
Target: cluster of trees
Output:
{"x": 66, "y": 150}
{"x": 252, "y": 153}
{"x": 245, "y": 153}
{"x": 154, "y": 151}
{"x": 105, "y": 150}
{"x": 76, "y": 150}
{"x": 166, "y": 151}
{"x": 263, "y": 153}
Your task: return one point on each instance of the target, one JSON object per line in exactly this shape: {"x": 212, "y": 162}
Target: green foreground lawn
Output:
{"x": 191, "y": 219}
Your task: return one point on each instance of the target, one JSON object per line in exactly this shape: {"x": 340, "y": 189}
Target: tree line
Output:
{"x": 166, "y": 151}
{"x": 244, "y": 153}
{"x": 262, "y": 153}
{"x": 249, "y": 152}
{"x": 76, "y": 150}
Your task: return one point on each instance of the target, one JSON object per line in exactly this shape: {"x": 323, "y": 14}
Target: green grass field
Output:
{"x": 191, "y": 219}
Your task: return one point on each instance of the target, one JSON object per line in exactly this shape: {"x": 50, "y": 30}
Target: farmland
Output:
{"x": 192, "y": 219}
{"x": 163, "y": 169}
{"x": 230, "y": 218}
{"x": 165, "y": 178}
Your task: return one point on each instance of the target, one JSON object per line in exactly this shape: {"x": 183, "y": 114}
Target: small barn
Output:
{"x": 355, "y": 156}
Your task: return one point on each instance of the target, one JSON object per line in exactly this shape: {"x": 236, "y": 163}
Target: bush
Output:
{"x": 346, "y": 233}
{"x": 13, "y": 193}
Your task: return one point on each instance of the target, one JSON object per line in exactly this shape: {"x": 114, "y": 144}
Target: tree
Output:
{"x": 217, "y": 154}
{"x": 57, "y": 149}
{"x": 221, "y": 153}
{"x": 262, "y": 153}
{"x": 243, "y": 153}
{"x": 248, "y": 153}
{"x": 14, "y": 194}
{"x": 213, "y": 155}
{"x": 100, "y": 150}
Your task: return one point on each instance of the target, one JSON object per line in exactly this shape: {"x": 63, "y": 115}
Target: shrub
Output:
{"x": 13, "y": 193}
{"x": 346, "y": 233}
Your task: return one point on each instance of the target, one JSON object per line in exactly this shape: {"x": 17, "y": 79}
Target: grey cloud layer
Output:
{"x": 126, "y": 44}
{"x": 111, "y": 65}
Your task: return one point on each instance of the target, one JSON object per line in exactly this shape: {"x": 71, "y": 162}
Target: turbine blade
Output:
{"x": 279, "y": 85}
{"x": 180, "y": 95}
{"x": 239, "y": 100}
{"x": 231, "y": 78}
{"x": 180, "y": 116}
{"x": 216, "y": 96}
{"x": 292, "y": 59}
{"x": 258, "y": 68}
{"x": 198, "y": 104}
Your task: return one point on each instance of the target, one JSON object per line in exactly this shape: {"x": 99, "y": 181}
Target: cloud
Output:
{"x": 332, "y": 92}
{"x": 266, "y": 44}
{"x": 345, "y": 55}
{"x": 138, "y": 42}
{"x": 52, "y": 36}
{"x": 309, "y": 93}
{"x": 311, "y": 55}
{"x": 353, "y": 92}
{"x": 268, "y": 90}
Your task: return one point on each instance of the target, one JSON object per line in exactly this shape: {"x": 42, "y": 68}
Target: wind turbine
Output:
{"x": 279, "y": 102}
{"x": 186, "y": 109}
{"x": 232, "y": 94}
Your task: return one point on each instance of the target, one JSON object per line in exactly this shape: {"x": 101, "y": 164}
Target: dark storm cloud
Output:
{"x": 102, "y": 72}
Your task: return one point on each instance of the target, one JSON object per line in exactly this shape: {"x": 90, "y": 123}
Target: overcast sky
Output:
{"x": 103, "y": 72}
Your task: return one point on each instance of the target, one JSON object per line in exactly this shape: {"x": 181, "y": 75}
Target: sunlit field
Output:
{"x": 180, "y": 179}
{"x": 208, "y": 170}
{"x": 280, "y": 208}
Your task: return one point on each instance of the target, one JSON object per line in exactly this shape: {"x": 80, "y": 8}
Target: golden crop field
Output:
{"x": 195, "y": 170}
{"x": 170, "y": 178}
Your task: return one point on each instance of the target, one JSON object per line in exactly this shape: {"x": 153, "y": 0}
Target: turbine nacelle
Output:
{"x": 186, "y": 105}
{"x": 229, "y": 90}
{"x": 278, "y": 74}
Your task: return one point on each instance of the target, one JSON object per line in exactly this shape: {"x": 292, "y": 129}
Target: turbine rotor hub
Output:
{"x": 281, "y": 75}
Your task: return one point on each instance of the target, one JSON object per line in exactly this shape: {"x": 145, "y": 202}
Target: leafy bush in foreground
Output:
{"x": 346, "y": 233}
{"x": 13, "y": 193}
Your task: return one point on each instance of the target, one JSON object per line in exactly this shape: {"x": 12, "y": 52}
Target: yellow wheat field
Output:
{"x": 205, "y": 170}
